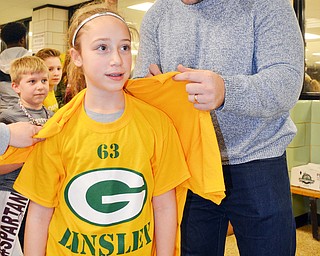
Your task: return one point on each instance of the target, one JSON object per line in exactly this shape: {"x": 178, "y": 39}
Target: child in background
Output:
{"x": 103, "y": 183}
{"x": 29, "y": 77}
{"x": 51, "y": 57}
{"x": 60, "y": 92}
{"x": 67, "y": 95}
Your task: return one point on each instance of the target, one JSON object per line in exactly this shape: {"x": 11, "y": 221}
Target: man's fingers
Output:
{"x": 182, "y": 68}
{"x": 154, "y": 70}
{"x": 37, "y": 129}
{"x": 189, "y": 74}
{"x": 194, "y": 88}
{"x": 36, "y": 140}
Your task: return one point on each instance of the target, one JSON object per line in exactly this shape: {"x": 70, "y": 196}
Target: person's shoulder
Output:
{"x": 146, "y": 109}
{"x": 160, "y": 5}
{"x": 10, "y": 115}
{"x": 12, "y": 109}
{"x": 5, "y": 86}
{"x": 277, "y": 9}
{"x": 262, "y": 5}
{"x": 157, "y": 11}
{"x": 138, "y": 103}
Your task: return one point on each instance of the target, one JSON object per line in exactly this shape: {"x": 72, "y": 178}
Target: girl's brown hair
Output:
{"x": 47, "y": 53}
{"x": 76, "y": 78}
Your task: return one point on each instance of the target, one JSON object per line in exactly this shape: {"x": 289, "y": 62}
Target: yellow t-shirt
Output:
{"x": 101, "y": 177}
{"x": 50, "y": 102}
{"x": 194, "y": 127}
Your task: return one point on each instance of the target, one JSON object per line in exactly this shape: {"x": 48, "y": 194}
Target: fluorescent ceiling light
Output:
{"x": 309, "y": 36}
{"x": 141, "y": 7}
{"x": 316, "y": 54}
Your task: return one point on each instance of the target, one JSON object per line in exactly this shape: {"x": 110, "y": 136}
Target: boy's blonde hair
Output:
{"x": 47, "y": 53}
{"x": 26, "y": 65}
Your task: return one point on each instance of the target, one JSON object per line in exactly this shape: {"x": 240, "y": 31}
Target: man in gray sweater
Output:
{"x": 244, "y": 60}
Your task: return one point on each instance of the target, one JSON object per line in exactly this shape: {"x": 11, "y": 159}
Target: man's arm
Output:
{"x": 18, "y": 135}
{"x": 4, "y": 138}
{"x": 165, "y": 217}
{"x": 148, "y": 47}
{"x": 4, "y": 169}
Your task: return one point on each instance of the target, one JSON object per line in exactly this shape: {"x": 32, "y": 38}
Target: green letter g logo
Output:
{"x": 107, "y": 196}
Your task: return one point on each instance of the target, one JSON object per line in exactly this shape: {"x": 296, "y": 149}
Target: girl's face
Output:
{"x": 105, "y": 55}
{"x": 55, "y": 70}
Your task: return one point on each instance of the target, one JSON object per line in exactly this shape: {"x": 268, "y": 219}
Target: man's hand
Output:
{"x": 153, "y": 70}
{"x": 206, "y": 89}
{"x": 21, "y": 134}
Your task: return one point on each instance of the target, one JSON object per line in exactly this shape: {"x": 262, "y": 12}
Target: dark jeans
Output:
{"x": 258, "y": 205}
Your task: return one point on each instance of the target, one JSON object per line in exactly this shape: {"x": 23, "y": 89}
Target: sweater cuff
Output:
{"x": 4, "y": 138}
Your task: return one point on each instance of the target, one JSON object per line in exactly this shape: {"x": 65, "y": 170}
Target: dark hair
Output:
{"x": 13, "y": 32}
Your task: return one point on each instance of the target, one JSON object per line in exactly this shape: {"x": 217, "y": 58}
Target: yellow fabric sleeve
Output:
{"x": 195, "y": 129}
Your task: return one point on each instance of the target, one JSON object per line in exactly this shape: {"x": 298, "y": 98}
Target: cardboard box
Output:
{"x": 306, "y": 176}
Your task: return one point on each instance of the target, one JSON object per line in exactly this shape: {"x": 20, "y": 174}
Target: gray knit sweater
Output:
{"x": 255, "y": 45}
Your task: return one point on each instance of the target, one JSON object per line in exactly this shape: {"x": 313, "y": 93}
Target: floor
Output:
{"x": 306, "y": 245}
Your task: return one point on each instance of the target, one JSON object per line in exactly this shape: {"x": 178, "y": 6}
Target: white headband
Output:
{"x": 91, "y": 18}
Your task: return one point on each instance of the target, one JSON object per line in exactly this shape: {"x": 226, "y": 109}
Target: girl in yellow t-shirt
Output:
{"x": 103, "y": 182}
{"x": 51, "y": 57}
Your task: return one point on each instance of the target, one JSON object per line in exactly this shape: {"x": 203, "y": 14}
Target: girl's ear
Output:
{"x": 15, "y": 87}
{"x": 75, "y": 57}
